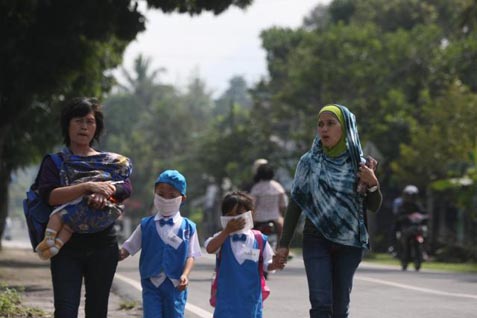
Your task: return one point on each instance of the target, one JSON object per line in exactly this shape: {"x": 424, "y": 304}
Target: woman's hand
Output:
{"x": 97, "y": 201}
{"x": 104, "y": 188}
{"x": 280, "y": 257}
{"x": 367, "y": 176}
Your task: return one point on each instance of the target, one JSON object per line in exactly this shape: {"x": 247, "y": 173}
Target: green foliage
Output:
{"x": 158, "y": 127}
{"x": 128, "y": 305}
{"x": 439, "y": 265}
{"x": 11, "y": 306}
{"x": 442, "y": 139}
{"x": 394, "y": 63}
{"x": 53, "y": 50}
{"x": 196, "y": 7}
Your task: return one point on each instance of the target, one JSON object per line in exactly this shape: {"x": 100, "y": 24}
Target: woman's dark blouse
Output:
{"x": 49, "y": 180}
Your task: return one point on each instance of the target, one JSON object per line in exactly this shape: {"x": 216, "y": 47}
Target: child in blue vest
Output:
{"x": 168, "y": 244}
{"x": 239, "y": 291}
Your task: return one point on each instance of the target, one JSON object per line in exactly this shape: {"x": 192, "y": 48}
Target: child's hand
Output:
{"x": 183, "y": 282}
{"x": 235, "y": 225}
{"x": 276, "y": 264}
{"x": 281, "y": 257}
{"x": 123, "y": 253}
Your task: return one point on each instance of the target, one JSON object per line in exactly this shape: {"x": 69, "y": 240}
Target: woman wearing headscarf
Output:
{"x": 333, "y": 186}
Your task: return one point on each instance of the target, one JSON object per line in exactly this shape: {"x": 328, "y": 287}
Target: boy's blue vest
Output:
{"x": 157, "y": 256}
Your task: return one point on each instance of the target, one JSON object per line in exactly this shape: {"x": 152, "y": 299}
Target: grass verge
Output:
{"x": 383, "y": 258}
{"x": 11, "y": 306}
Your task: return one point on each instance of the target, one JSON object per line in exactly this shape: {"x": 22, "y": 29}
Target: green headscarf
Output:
{"x": 340, "y": 147}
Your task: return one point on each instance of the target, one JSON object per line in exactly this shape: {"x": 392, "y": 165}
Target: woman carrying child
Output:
{"x": 91, "y": 256}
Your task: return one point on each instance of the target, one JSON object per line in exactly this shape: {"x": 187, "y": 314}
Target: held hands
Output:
{"x": 183, "y": 282}
{"x": 280, "y": 258}
{"x": 123, "y": 253}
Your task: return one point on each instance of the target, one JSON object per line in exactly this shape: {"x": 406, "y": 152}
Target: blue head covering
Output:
{"x": 173, "y": 178}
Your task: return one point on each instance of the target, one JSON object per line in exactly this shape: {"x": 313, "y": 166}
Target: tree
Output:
{"x": 393, "y": 63}
{"x": 237, "y": 93}
{"x": 158, "y": 127}
{"x": 52, "y": 50}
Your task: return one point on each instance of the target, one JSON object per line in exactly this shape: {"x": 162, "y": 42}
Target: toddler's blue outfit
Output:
{"x": 239, "y": 292}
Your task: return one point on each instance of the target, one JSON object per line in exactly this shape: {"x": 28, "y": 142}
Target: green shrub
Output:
{"x": 11, "y": 306}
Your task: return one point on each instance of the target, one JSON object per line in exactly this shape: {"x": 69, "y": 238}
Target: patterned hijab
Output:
{"x": 325, "y": 187}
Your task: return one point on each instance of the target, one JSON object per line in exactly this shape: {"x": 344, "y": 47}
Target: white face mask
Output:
{"x": 247, "y": 216}
{"x": 167, "y": 207}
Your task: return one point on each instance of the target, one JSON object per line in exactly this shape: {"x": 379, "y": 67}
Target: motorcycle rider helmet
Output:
{"x": 258, "y": 163}
{"x": 411, "y": 189}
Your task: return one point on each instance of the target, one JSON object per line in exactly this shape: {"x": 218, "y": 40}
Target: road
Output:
{"x": 379, "y": 291}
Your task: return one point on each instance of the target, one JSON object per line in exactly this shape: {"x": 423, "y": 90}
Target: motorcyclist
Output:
{"x": 404, "y": 225}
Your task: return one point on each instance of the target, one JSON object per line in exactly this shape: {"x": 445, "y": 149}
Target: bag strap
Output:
{"x": 259, "y": 238}
{"x": 57, "y": 160}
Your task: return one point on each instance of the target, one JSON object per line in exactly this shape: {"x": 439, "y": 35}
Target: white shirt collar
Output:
{"x": 176, "y": 216}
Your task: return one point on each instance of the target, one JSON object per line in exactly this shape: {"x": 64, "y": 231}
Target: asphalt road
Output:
{"x": 379, "y": 291}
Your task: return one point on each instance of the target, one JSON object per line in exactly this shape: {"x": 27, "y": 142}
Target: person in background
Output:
{"x": 409, "y": 205}
{"x": 92, "y": 257}
{"x": 325, "y": 188}
{"x": 247, "y": 186}
{"x": 270, "y": 198}
{"x": 169, "y": 244}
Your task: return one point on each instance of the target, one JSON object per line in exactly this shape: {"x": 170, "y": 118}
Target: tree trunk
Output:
{"x": 4, "y": 182}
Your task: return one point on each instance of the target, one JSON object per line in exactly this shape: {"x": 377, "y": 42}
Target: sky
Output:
{"x": 215, "y": 48}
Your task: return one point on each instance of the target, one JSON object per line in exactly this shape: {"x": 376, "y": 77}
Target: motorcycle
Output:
{"x": 270, "y": 229}
{"x": 412, "y": 239}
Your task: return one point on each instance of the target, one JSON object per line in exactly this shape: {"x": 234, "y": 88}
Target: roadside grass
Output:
{"x": 11, "y": 306}
{"x": 387, "y": 259}
{"x": 128, "y": 305}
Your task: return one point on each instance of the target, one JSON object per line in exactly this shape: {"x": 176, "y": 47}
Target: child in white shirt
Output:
{"x": 169, "y": 245}
{"x": 239, "y": 292}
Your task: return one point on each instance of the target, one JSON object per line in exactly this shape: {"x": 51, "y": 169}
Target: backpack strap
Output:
{"x": 259, "y": 238}
{"x": 57, "y": 159}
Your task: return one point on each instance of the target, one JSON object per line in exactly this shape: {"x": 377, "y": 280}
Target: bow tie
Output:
{"x": 239, "y": 237}
{"x": 163, "y": 222}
